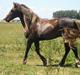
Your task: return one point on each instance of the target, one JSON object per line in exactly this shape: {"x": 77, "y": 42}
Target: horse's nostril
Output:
{"x": 5, "y": 20}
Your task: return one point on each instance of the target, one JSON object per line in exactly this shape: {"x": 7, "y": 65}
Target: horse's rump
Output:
{"x": 78, "y": 24}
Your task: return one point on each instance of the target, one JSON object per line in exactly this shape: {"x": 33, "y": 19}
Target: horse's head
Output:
{"x": 20, "y": 10}
{"x": 14, "y": 12}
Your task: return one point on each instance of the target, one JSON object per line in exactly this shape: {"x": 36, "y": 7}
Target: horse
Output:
{"x": 37, "y": 29}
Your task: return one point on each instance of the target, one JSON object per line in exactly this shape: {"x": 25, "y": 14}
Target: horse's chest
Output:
{"x": 43, "y": 27}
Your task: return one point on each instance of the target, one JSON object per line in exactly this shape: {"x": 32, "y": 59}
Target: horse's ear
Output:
{"x": 15, "y": 4}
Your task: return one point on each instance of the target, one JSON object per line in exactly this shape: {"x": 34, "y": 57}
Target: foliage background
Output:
{"x": 74, "y": 14}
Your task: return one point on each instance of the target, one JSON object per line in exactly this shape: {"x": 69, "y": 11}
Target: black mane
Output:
{"x": 24, "y": 6}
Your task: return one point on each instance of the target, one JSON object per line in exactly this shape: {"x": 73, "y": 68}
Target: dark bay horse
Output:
{"x": 37, "y": 29}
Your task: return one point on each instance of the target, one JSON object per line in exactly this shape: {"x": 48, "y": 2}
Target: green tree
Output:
{"x": 66, "y": 13}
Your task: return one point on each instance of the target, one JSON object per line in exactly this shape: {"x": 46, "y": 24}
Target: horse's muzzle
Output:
{"x": 5, "y": 19}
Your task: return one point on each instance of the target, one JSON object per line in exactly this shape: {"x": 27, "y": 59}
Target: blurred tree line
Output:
{"x": 67, "y": 13}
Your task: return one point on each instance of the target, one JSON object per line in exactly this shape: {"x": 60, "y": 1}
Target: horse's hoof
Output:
{"x": 61, "y": 65}
{"x": 77, "y": 65}
{"x": 45, "y": 63}
{"x": 24, "y": 62}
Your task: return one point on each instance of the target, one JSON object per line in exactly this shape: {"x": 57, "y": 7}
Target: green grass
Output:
{"x": 12, "y": 49}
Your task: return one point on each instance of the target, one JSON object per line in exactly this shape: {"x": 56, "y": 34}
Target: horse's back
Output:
{"x": 65, "y": 22}
{"x": 62, "y": 22}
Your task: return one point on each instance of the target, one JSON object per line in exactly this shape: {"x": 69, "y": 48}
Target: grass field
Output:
{"x": 12, "y": 48}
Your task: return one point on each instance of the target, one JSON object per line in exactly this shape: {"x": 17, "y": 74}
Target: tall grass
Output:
{"x": 12, "y": 49}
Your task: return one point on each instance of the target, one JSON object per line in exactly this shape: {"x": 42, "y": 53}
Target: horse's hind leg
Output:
{"x": 74, "y": 49}
{"x": 75, "y": 52}
{"x": 67, "y": 49}
{"x": 76, "y": 56}
{"x": 38, "y": 52}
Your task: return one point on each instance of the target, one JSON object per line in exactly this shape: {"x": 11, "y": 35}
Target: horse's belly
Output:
{"x": 49, "y": 36}
{"x": 47, "y": 31}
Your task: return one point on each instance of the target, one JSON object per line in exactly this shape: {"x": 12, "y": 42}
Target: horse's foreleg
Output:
{"x": 38, "y": 52}
{"x": 67, "y": 49}
{"x": 29, "y": 43}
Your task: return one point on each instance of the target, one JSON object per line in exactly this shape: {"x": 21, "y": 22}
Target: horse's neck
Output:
{"x": 22, "y": 22}
{"x": 29, "y": 14}
{"x": 26, "y": 11}
{"x": 29, "y": 18}
{"x": 25, "y": 23}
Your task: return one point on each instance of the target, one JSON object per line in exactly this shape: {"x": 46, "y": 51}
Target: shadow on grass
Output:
{"x": 57, "y": 65}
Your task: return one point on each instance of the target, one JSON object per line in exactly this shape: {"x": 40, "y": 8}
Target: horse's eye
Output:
{"x": 12, "y": 11}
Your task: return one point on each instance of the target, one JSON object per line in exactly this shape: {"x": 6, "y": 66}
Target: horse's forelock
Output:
{"x": 16, "y": 5}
